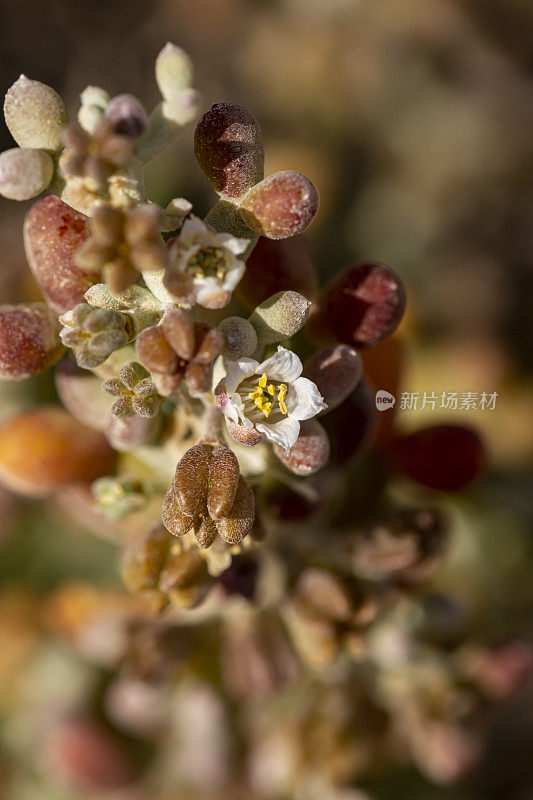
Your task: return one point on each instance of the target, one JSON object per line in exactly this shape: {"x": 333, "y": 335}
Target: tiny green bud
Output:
{"x": 24, "y": 173}
{"x": 240, "y": 338}
{"x": 173, "y": 71}
{"x": 280, "y": 317}
{"x": 35, "y": 114}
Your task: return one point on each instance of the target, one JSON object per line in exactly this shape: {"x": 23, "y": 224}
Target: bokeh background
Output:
{"x": 414, "y": 119}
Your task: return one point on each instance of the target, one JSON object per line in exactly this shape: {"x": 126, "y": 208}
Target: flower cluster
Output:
{"x": 220, "y": 431}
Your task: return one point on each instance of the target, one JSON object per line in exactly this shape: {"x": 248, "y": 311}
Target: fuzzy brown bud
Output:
{"x": 228, "y": 146}
{"x": 144, "y": 559}
{"x": 207, "y": 493}
{"x": 179, "y": 349}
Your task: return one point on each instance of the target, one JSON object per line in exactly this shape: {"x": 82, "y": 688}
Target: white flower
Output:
{"x": 269, "y": 397}
{"x": 205, "y": 266}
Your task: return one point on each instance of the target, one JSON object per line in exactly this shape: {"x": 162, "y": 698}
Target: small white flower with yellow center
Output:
{"x": 268, "y": 399}
{"x": 204, "y": 266}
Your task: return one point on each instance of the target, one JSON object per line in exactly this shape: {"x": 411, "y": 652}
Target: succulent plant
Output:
{"x": 222, "y": 431}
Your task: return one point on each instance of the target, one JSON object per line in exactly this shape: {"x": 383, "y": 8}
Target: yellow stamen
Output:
{"x": 271, "y": 390}
{"x": 282, "y": 407}
{"x": 263, "y": 380}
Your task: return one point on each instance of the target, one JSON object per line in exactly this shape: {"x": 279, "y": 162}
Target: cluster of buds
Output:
{"x": 216, "y": 396}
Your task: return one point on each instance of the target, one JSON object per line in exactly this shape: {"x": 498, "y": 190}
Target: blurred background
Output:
{"x": 414, "y": 119}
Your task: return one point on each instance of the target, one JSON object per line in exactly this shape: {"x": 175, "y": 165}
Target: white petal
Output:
{"x": 304, "y": 400}
{"x": 283, "y": 433}
{"x": 233, "y": 275}
{"x": 238, "y": 371}
{"x": 282, "y": 366}
{"x": 229, "y": 408}
{"x": 231, "y": 243}
{"x": 192, "y": 227}
{"x": 206, "y": 289}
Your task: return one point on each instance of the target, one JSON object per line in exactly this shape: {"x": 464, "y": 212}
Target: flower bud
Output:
{"x": 185, "y": 579}
{"x": 173, "y": 70}
{"x": 276, "y": 265}
{"x": 94, "y": 333}
{"x": 43, "y": 449}
{"x": 24, "y": 173}
{"x": 183, "y": 108}
{"x": 445, "y": 457}
{"x": 81, "y": 393}
{"x": 280, "y": 317}
{"x": 309, "y": 453}
{"x": 144, "y": 559}
{"x": 228, "y": 145}
{"x": 127, "y": 116}
{"x": 94, "y": 102}
{"x": 135, "y": 392}
{"x": 223, "y": 482}
{"x": 238, "y": 522}
{"x": 280, "y": 206}
{"x": 361, "y": 306}
{"x": 29, "y": 340}
{"x": 336, "y": 371}
{"x": 209, "y": 495}
{"x": 190, "y": 481}
{"x": 240, "y": 338}
{"x": 53, "y": 231}
{"x": 35, "y": 114}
